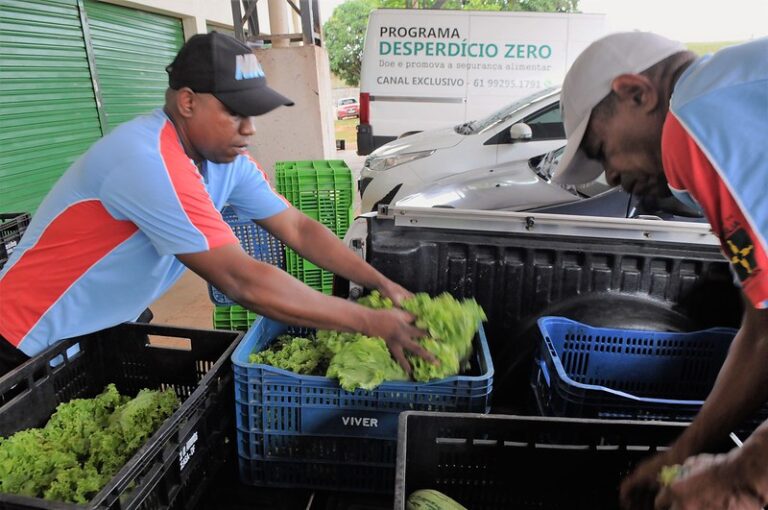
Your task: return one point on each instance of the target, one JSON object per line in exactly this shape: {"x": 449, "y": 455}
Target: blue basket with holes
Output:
{"x": 306, "y": 431}
{"x": 256, "y": 241}
{"x": 587, "y": 372}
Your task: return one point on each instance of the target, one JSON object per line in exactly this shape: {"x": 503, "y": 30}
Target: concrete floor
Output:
{"x": 187, "y": 303}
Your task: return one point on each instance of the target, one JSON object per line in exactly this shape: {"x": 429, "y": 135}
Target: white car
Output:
{"x": 515, "y": 187}
{"x": 505, "y": 190}
{"x": 505, "y": 140}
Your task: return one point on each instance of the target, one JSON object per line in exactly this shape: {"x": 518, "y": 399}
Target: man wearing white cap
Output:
{"x": 658, "y": 120}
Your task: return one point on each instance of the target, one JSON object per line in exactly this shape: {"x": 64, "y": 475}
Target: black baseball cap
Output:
{"x": 220, "y": 65}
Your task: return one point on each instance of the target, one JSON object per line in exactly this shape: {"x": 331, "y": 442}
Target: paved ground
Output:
{"x": 354, "y": 161}
{"x": 187, "y": 303}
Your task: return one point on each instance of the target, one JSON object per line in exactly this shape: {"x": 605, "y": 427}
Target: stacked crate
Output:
{"x": 323, "y": 191}
{"x": 233, "y": 317}
{"x": 12, "y": 227}
{"x": 582, "y": 371}
{"x": 305, "y": 431}
{"x": 320, "y": 189}
{"x": 259, "y": 244}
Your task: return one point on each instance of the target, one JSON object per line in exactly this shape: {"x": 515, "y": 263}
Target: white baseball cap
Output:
{"x": 588, "y": 82}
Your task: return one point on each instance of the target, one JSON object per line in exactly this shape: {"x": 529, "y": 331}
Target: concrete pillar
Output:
{"x": 193, "y": 25}
{"x": 278, "y": 22}
{"x": 305, "y": 130}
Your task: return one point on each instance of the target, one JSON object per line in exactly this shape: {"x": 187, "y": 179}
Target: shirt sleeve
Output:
{"x": 163, "y": 194}
{"x": 253, "y": 196}
{"x": 689, "y": 169}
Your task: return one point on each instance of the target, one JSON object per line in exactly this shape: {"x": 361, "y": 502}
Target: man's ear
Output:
{"x": 638, "y": 89}
{"x": 185, "y": 101}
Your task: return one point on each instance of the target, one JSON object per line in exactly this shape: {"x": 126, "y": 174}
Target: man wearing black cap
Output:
{"x": 119, "y": 227}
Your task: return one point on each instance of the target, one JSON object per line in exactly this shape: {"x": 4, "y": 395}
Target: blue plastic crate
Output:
{"x": 305, "y": 431}
{"x": 587, "y": 372}
{"x": 256, "y": 241}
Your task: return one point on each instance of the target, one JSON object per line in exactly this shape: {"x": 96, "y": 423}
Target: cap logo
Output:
{"x": 247, "y": 67}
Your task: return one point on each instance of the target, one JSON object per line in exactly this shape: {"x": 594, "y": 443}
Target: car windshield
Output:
{"x": 347, "y": 101}
{"x": 502, "y": 115}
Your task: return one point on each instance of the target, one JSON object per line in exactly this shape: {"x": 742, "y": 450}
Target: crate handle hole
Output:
{"x": 450, "y": 440}
{"x": 170, "y": 342}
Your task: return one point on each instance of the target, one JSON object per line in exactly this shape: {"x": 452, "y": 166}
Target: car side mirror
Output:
{"x": 520, "y": 132}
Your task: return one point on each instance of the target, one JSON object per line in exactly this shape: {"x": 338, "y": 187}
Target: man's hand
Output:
{"x": 709, "y": 482}
{"x": 640, "y": 488}
{"x": 396, "y": 328}
{"x": 741, "y": 387}
{"x": 393, "y": 291}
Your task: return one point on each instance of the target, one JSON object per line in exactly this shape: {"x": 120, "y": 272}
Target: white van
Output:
{"x": 428, "y": 69}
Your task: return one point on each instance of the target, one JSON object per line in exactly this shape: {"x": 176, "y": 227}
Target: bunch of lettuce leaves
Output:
{"x": 302, "y": 355}
{"x": 362, "y": 362}
{"x": 82, "y": 446}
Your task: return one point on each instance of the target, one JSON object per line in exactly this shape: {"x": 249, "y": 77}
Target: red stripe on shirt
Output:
{"x": 687, "y": 168}
{"x": 69, "y": 246}
{"x": 190, "y": 191}
{"x": 264, "y": 174}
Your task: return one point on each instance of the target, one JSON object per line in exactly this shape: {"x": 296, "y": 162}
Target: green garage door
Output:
{"x": 48, "y": 111}
{"x": 131, "y": 49}
{"x": 48, "y": 114}
{"x": 222, "y": 30}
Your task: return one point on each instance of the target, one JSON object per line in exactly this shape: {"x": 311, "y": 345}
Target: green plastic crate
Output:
{"x": 313, "y": 164}
{"x": 324, "y": 191}
{"x": 332, "y": 208}
{"x": 233, "y": 317}
{"x": 323, "y": 195}
{"x": 307, "y": 272}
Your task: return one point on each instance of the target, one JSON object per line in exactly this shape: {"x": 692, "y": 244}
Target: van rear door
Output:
{"x": 429, "y": 69}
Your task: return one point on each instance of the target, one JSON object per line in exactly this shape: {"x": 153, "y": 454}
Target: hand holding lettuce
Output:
{"x": 364, "y": 363}
{"x": 359, "y": 361}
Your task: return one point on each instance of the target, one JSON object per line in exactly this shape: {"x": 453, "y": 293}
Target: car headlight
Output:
{"x": 381, "y": 163}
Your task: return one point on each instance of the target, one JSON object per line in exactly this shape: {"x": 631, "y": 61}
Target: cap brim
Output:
{"x": 252, "y": 102}
{"x": 574, "y": 166}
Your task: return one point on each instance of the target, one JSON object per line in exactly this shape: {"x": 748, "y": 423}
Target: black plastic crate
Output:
{"x": 174, "y": 468}
{"x": 496, "y": 462}
{"x": 12, "y": 227}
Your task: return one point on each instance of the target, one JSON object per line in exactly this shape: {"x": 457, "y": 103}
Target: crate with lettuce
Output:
{"x": 83, "y": 445}
{"x": 362, "y": 362}
{"x": 319, "y": 409}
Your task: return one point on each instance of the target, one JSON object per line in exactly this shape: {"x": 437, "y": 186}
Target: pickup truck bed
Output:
{"x": 621, "y": 273}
